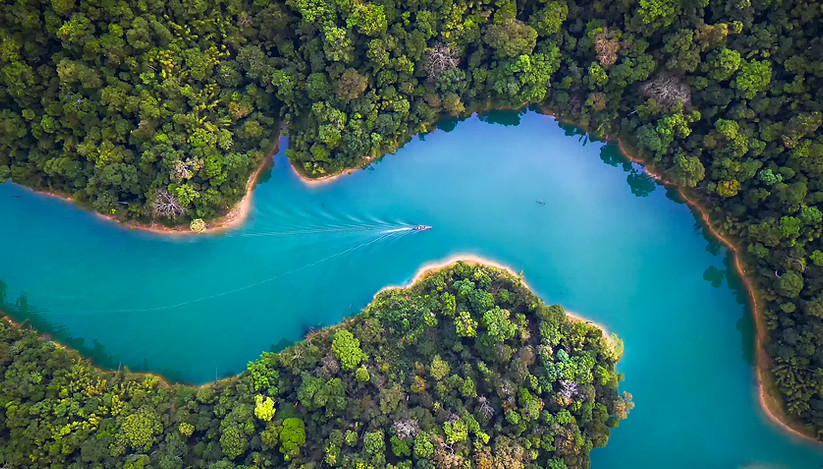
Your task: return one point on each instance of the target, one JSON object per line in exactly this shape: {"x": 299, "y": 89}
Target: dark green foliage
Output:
{"x": 143, "y": 109}
{"x": 422, "y": 397}
{"x": 140, "y": 110}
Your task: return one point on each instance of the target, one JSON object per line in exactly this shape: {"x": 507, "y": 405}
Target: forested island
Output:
{"x": 464, "y": 368}
{"x": 159, "y": 111}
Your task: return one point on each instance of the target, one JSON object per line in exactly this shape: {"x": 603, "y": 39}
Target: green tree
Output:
{"x": 347, "y": 350}
{"x": 140, "y": 428}
{"x": 263, "y": 408}
{"x": 753, "y": 77}
{"x": 511, "y": 38}
{"x": 499, "y": 328}
{"x": 789, "y": 284}
{"x": 350, "y": 85}
{"x": 292, "y": 437}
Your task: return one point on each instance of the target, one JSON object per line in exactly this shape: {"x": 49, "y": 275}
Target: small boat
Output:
{"x": 421, "y": 227}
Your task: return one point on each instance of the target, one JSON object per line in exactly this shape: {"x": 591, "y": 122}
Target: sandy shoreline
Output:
{"x": 473, "y": 259}
{"x": 771, "y": 405}
{"x": 325, "y": 179}
{"x": 235, "y": 217}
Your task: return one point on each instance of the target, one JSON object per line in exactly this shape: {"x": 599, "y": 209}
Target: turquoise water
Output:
{"x": 609, "y": 244}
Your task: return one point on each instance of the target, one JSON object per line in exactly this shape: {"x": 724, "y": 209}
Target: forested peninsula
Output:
{"x": 464, "y": 368}
{"x": 159, "y": 110}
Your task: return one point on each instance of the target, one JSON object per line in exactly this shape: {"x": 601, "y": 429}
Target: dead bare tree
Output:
{"x": 668, "y": 91}
{"x": 607, "y": 45}
{"x": 181, "y": 171}
{"x": 243, "y": 19}
{"x": 485, "y": 407}
{"x": 441, "y": 59}
{"x": 406, "y": 429}
{"x": 569, "y": 390}
{"x": 166, "y": 205}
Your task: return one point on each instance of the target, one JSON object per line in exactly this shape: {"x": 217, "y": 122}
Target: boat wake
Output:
{"x": 383, "y": 235}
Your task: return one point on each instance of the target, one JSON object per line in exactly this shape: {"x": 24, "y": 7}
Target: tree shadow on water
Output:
{"x": 611, "y": 155}
{"x": 714, "y": 276}
{"x": 640, "y": 183}
{"x": 447, "y": 125}
{"x": 745, "y": 324}
{"x": 505, "y": 118}
{"x": 29, "y": 315}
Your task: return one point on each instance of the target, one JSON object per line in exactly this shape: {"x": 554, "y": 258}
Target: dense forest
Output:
{"x": 466, "y": 368}
{"x": 157, "y": 110}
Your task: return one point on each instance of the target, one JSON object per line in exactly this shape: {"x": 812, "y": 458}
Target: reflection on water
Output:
{"x": 27, "y": 314}
{"x": 714, "y": 276}
{"x": 640, "y": 183}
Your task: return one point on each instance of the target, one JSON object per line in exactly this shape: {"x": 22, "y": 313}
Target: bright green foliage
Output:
{"x": 753, "y": 77}
{"x": 658, "y": 13}
{"x": 140, "y": 428}
{"x": 455, "y": 431}
{"x": 439, "y": 368}
{"x": 725, "y": 63}
{"x": 337, "y": 44}
{"x": 292, "y": 437}
{"x": 498, "y": 326}
{"x": 362, "y": 374}
{"x": 549, "y": 18}
{"x": 153, "y": 111}
{"x": 369, "y": 19}
{"x": 449, "y": 304}
{"x": 233, "y": 442}
{"x": 465, "y": 326}
{"x": 769, "y": 177}
{"x": 351, "y": 438}
{"x": 374, "y": 443}
{"x": 264, "y": 375}
{"x": 400, "y": 448}
{"x": 347, "y": 349}
{"x": 186, "y": 429}
{"x": 810, "y": 215}
{"x": 263, "y": 408}
{"x": 131, "y": 101}
{"x": 597, "y": 76}
{"x": 423, "y": 447}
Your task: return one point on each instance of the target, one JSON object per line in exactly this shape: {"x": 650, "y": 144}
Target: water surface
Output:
{"x": 608, "y": 243}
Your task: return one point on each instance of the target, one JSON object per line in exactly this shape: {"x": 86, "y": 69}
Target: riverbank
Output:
{"x": 232, "y": 219}
{"x": 368, "y": 160}
{"x": 4, "y": 316}
{"x": 474, "y": 260}
{"x": 769, "y": 400}
{"x": 308, "y": 181}
{"x": 767, "y": 394}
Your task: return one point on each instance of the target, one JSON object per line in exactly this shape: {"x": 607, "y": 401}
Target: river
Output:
{"x": 588, "y": 229}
